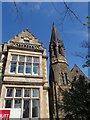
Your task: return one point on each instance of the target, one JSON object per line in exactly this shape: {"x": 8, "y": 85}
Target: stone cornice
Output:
{"x": 25, "y": 46}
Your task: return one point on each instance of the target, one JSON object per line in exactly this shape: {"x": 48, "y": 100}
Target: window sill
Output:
{"x": 23, "y": 75}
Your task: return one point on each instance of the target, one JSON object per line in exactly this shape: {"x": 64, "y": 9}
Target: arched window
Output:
{"x": 66, "y": 80}
{"x": 59, "y": 49}
{"x": 54, "y": 48}
{"x": 62, "y": 76}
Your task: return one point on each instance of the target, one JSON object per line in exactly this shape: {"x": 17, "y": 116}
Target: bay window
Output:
{"x": 28, "y": 99}
{"x": 24, "y": 65}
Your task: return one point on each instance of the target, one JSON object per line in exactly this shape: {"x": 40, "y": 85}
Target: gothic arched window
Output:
{"x": 54, "y": 48}
{"x": 59, "y": 50}
{"x": 66, "y": 80}
{"x": 62, "y": 76}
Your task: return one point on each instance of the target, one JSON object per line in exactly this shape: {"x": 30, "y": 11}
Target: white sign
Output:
{"x": 10, "y": 113}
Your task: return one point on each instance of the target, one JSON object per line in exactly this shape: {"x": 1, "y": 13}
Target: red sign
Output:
{"x": 4, "y": 114}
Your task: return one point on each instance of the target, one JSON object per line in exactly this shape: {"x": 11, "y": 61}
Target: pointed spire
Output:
{"x": 56, "y": 43}
{"x": 54, "y": 35}
{"x": 53, "y": 27}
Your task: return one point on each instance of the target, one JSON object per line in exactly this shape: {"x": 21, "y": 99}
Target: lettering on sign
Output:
{"x": 4, "y": 114}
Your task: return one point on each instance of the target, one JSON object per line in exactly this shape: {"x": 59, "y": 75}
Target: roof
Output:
{"x": 25, "y": 41}
{"x": 25, "y": 36}
{"x": 54, "y": 35}
{"x": 76, "y": 71}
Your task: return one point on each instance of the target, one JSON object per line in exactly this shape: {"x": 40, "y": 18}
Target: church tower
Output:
{"x": 60, "y": 75}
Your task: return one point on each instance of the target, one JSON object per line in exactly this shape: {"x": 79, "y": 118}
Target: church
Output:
{"x": 23, "y": 76}
{"x": 60, "y": 75}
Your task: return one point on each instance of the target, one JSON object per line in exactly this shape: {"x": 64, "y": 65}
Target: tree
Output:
{"x": 76, "y": 101}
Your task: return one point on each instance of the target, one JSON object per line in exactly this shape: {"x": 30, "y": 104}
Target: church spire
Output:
{"x": 59, "y": 72}
{"x": 56, "y": 47}
{"x": 54, "y": 36}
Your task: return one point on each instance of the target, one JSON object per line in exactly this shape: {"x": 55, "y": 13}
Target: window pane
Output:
{"x": 14, "y": 57}
{"x": 35, "y": 92}
{"x": 35, "y": 108}
{"x": 9, "y": 92}
{"x": 21, "y": 68}
{"x": 26, "y": 109}
{"x": 36, "y": 60}
{"x": 28, "y": 68}
{"x": 26, "y": 41}
{"x": 8, "y": 103}
{"x": 35, "y": 69}
{"x": 18, "y": 93}
{"x": 17, "y": 104}
{"x": 26, "y": 93}
{"x": 13, "y": 67}
{"x": 21, "y": 58}
{"x": 29, "y": 59}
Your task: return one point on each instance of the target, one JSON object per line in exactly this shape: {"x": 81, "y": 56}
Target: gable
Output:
{"x": 25, "y": 37}
{"x": 76, "y": 72}
{"x": 25, "y": 41}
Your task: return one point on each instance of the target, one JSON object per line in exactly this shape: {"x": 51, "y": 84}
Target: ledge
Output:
{"x": 23, "y": 46}
{"x": 24, "y": 76}
{"x": 23, "y": 83}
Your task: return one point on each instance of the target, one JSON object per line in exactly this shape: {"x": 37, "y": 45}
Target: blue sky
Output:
{"x": 38, "y": 18}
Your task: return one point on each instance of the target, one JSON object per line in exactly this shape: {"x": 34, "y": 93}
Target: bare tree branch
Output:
{"x": 18, "y": 14}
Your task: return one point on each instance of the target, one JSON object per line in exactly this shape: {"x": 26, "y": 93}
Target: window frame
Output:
{"x": 23, "y": 98}
{"x": 25, "y": 62}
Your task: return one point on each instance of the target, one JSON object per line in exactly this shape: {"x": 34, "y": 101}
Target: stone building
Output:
{"x": 60, "y": 75}
{"x": 24, "y": 76}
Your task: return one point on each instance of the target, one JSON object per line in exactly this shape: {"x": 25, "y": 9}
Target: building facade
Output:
{"x": 60, "y": 75}
{"x": 24, "y": 76}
